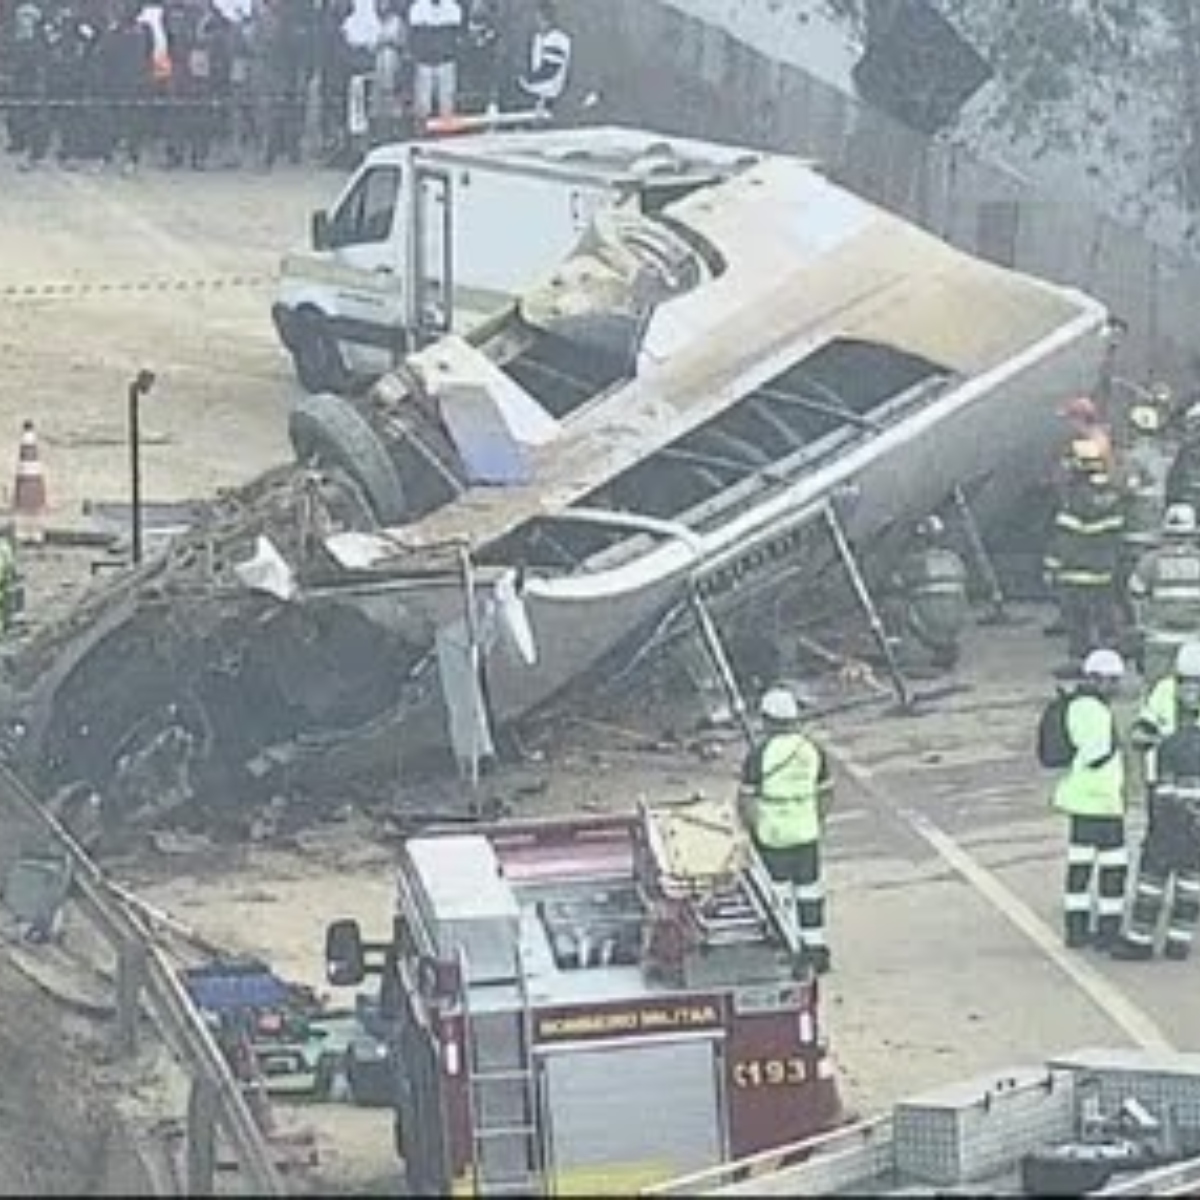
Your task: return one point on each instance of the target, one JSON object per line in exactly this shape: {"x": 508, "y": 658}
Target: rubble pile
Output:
{"x": 174, "y": 683}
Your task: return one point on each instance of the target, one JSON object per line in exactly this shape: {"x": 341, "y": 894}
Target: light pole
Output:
{"x": 141, "y": 385}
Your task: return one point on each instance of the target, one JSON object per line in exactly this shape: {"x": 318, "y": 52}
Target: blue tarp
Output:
{"x": 224, "y": 987}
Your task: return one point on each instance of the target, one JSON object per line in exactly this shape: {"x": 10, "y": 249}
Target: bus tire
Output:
{"x": 329, "y": 431}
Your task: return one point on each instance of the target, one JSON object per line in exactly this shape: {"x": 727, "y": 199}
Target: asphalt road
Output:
{"x": 946, "y": 876}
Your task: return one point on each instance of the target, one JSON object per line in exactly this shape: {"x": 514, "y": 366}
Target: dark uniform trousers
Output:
{"x": 1081, "y": 557}
{"x": 1096, "y": 853}
{"x": 801, "y": 867}
{"x": 1169, "y": 867}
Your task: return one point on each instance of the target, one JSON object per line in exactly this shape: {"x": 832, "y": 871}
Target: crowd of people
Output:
{"x": 194, "y": 82}
{"x": 1124, "y": 562}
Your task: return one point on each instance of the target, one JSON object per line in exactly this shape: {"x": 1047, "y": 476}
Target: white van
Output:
{"x": 432, "y": 235}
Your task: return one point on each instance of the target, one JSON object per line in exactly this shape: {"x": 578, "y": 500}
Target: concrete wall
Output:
{"x": 658, "y": 67}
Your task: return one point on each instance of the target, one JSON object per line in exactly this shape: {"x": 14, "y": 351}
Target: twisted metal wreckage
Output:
{"x": 668, "y": 415}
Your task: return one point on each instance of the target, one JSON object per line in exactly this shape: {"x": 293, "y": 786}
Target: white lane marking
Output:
{"x": 1106, "y": 996}
{"x": 845, "y": 818}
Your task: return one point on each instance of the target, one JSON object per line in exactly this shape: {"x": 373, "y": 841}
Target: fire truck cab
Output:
{"x": 592, "y": 1005}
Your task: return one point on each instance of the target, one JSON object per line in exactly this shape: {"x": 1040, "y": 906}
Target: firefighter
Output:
{"x": 1164, "y": 592}
{"x": 1145, "y": 464}
{"x": 785, "y": 791}
{"x": 1183, "y": 479}
{"x": 1084, "y": 422}
{"x": 1170, "y": 857}
{"x": 1091, "y": 794}
{"x": 931, "y": 586}
{"x": 1159, "y": 714}
{"x": 1082, "y": 556}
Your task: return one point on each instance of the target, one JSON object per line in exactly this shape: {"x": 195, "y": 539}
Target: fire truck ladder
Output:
{"x": 754, "y": 908}
{"x": 502, "y": 1095}
{"x": 741, "y": 913}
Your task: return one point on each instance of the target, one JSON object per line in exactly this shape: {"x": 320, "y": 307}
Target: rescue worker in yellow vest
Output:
{"x": 785, "y": 791}
{"x": 1092, "y": 796}
{"x": 931, "y": 588}
{"x": 1083, "y": 552}
{"x": 1159, "y": 715}
{"x": 1170, "y": 858}
{"x": 1164, "y": 592}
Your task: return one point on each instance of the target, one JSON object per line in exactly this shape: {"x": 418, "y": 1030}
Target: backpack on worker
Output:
{"x": 1054, "y": 746}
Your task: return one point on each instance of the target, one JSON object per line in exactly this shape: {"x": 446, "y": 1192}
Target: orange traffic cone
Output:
{"x": 29, "y": 493}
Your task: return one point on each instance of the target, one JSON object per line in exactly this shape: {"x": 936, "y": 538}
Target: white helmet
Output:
{"x": 1180, "y": 519}
{"x": 1104, "y": 664}
{"x": 779, "y": 704}
{"x": 1145, "y": 418}
{"x": 1187, "y": 660}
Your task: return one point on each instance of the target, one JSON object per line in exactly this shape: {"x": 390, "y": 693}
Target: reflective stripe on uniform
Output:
{"x": 1117, "y": 856}
{"x": 1077, "y": 902}
{"x": 1079, "y": 855}
{"x": 1074, "y": 524}
{"x": 1085, "y": 578}
{"x": 810, "y": 893}
{"x": 1110, "y": 906}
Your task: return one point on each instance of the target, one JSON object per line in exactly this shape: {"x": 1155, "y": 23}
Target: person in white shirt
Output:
{"x": 549, "y": 59}
{"x": 435, "y": 31}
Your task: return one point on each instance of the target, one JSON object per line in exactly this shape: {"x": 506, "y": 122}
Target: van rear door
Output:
{"x": 365, "y": 262}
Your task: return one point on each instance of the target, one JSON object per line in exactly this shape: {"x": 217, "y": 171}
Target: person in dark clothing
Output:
{"x": 1183, "y": 478}
{"x": 1082, "y": 557}
{"x": 123, "y": 58}
{"x": 212, "y": 69}
{"x": 479, "y": 59}
{"x": 288, "y": 38}
{"x": 335, "y": 64}
{"x": 28, "y": 128}
{"x": 70, "y": 40}
{"x": 549, "y": 70}
{"x": 1170, "y": 858}
{"x": 178, "y": 117}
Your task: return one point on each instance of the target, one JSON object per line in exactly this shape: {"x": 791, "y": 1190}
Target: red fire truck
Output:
{"x": 592, "y": 1005}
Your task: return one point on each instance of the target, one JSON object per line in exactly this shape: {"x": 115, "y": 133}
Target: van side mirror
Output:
{"x": 320, "y": 230}
{"x": 344, "y": 960}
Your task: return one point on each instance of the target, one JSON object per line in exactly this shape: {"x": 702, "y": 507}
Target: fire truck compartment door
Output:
{"x": 619, "y": 1118}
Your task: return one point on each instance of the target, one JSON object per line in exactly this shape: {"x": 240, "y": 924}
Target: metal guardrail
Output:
{"x": 1178, "y": 1179}
{"x": 144, "y": 973}
{"x": 775, "y": 1161}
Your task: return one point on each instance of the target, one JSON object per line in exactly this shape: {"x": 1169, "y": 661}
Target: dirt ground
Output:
{"x": 100, "y": 277}
{"x": 164, "y": 271}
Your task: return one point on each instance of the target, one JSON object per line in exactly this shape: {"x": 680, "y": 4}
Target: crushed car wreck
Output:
{"x": 672, "y": 410}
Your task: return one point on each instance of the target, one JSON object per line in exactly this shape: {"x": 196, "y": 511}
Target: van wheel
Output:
{"x": 329, "y": 431}
{"x": 319, "y": 365}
